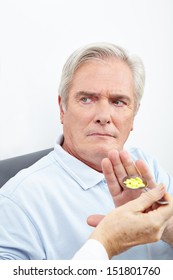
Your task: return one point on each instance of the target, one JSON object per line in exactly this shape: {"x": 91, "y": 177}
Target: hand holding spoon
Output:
{"x": 137, "y": 182}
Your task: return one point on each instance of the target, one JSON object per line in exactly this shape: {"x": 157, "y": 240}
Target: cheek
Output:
{"x": 124, "y": 123}
{"x": 83, "y": 118}
{"x": 76, "y": 122}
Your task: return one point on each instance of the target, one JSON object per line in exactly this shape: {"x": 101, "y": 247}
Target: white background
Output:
{"x": 36, "y": 36}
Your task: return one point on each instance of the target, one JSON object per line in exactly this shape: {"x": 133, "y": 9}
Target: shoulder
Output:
{"x": 29, "y": 177}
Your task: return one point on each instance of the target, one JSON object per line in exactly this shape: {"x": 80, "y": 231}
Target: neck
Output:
{"x": 94, "y": 163}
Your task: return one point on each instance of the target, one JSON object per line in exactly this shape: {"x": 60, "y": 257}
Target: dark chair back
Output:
{"x": 11, "y": 166}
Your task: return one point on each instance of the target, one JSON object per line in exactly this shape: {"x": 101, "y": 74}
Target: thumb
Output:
{"x": 94, "y": 220}
{"x": 147, "y": 199}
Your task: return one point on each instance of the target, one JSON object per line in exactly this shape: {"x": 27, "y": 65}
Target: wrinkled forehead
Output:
{"x": 110, "y": 76}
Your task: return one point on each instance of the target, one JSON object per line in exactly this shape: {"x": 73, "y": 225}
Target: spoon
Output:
{"x": 137, "y": 182}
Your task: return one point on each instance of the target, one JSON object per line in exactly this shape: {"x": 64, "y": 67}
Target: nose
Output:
{"x": 103, "y": 114}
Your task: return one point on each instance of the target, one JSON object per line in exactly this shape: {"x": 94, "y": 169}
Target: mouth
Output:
{"x": 101, "y": 134}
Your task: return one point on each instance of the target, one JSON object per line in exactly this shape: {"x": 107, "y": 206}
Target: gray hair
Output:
{"x": 100, "y": 51}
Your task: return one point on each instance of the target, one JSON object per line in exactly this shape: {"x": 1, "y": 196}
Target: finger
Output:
{"x": 128, "y": 163}
{"x": 110, "y": 177}
{"x": 147, "y": 199}
{"x": 168, "y": 198}
{"x": 118, "y": 167}
{"x": 94, "y": 220}
{"x": 145, "y": 173}
{"x": 165, "y": 211}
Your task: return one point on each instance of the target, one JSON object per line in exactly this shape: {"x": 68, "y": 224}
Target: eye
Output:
{"x": 119, "y": 103}
{"x": 85, "y": 99}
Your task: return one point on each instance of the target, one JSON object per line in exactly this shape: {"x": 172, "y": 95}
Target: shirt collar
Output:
{"x": 86, "y": 176}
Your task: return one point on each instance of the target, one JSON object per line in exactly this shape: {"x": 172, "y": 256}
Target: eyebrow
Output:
{"x": 95, "y": 94}
{"x": 86, "y": 93}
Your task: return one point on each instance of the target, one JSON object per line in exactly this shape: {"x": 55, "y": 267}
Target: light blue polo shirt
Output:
{"x": 44, "y": 208}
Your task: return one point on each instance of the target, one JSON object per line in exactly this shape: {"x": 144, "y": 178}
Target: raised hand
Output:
{"x": 118, "y": 165}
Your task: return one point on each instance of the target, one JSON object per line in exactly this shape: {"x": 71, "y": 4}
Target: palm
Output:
{"x": 126, "y": 195}
{"x": 116, "y": 167}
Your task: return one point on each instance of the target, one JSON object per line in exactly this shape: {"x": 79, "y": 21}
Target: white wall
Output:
{"x": 36, "y": 36}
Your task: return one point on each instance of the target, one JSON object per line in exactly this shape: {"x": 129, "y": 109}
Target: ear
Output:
{"x": 61, "y": 109}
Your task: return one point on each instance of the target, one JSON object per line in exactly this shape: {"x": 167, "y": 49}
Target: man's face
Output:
{"x": 100, "y": 110}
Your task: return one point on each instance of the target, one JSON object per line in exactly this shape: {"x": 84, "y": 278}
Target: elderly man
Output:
{"x": 44, "y": 208}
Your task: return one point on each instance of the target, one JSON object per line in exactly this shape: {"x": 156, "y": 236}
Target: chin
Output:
{"x": 101, "y": 152}
{"x": 104, "y": 149}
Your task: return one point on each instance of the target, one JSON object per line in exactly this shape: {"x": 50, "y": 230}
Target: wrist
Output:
{"x": 105, "y": 240}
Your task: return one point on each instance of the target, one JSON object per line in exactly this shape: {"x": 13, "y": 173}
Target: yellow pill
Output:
{"x": 134, "y": 183}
